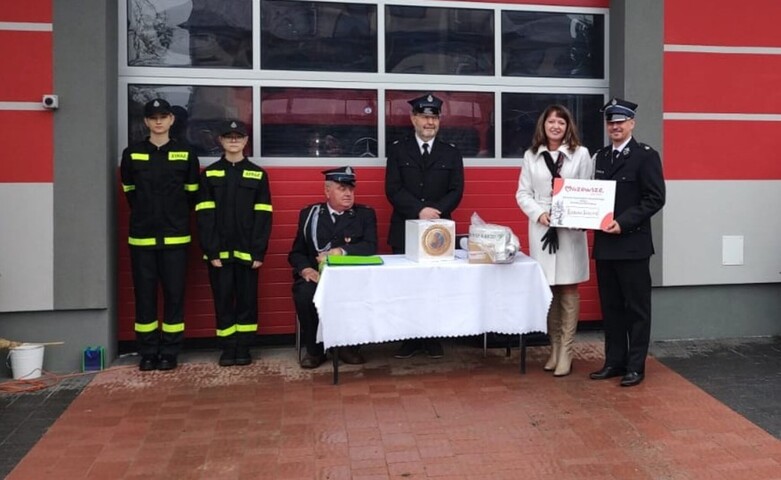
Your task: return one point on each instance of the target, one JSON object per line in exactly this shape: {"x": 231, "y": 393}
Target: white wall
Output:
{"x": 697, "y": 216}
{"x": 26, "y": 247}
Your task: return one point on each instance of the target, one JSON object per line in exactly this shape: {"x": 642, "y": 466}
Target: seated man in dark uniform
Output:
{"x": 335, "y": 227}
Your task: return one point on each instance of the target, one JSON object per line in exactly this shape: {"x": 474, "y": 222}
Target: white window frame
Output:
{"x": 380, "y": 81}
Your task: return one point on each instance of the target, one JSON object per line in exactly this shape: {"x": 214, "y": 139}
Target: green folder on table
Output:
{"x": 347, "y": 260}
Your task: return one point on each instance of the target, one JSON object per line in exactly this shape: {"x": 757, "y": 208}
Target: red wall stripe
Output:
{"x": 27, "y": 63}
{"x": 489, "y": 191}
{"x": 27, "y": 146}
{"x": 35, "y": 11}
{"x": 721, "y": 150}
{"x": 705, "y": 22}
{"x": 721, "y": 83}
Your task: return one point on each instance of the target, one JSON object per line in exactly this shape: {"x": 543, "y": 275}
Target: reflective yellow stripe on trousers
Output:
{"x": 146, "y": 327}
{"x": 173, "y": 327}
{"x": 226, "y": 332}
{"x": 176, "y": 240}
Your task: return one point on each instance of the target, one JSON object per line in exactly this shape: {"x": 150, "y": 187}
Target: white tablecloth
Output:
{"x": 403, "y": 299}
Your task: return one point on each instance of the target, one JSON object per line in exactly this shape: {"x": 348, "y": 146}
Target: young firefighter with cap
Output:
{"x": 623, "y": 249}
{"x": 160, "y": 181}
{"x": 424, "y": 179}
{"x": 234, "y": 226}
{"x": 337, "y": 226}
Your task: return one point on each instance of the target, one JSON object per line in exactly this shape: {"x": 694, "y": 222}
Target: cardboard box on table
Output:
{"x": 430, "y": 240}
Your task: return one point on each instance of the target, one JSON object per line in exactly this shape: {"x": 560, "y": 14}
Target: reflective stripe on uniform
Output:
{"x": 128, "y": 188}
{"x": 146, "y": 327}
{"x": 176, "y": 240}
{"x": 190, "y": 187}
{"x": 242, "y": 255}
{"x": 141, "y": 242}
{"x": 178, "y": 155}
{"x": 205, "y": 205}
{"x": 222, "y": 256}
{"x": 247, "y": 328}
{"x": 227, "y": 332}
{"x": 252, "y": 174}
{"x": 139, "y": 156}
{"x": 215, "y": 173}
{"x": 173, "y": 327}
{"x": 263, "y": 206}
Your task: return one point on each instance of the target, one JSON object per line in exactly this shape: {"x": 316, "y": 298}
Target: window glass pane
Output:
{"x": 318, "y": 122}
{"x": 467, "y": 120}
{"x": 197, "y": 33}
{"x": 439, "y": 41}
{"x": 199, "y": 111}
{"x": 318, "y": 36}
{"x": 521, "y": 110}
{"x": 540, "y": 44}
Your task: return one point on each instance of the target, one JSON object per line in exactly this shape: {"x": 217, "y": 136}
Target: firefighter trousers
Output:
{"x": 235, "y": 292}
{"x": 151, "y": 269}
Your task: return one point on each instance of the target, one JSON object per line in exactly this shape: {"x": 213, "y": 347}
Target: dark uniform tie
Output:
{"x": 616, "y": 154}
{"x": 425, "y": 151}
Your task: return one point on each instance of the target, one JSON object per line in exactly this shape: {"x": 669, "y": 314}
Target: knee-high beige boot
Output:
{"x": 554, "y": 332}
{"x": 570, "y": 311}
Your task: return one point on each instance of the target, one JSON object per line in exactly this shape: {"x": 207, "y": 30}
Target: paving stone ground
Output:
{"x": 707, "y": 410}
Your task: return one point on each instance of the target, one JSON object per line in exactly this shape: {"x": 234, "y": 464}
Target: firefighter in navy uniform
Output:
{"x": 424, "y": 179}
{"x": 234, "y": 225}
{"x": 160, "y": 181}
{"x": 336, "y": 227}
{"x": 623, "y": 249}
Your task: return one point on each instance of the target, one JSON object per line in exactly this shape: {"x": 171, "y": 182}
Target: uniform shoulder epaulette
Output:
{"x": 644, "y": 146}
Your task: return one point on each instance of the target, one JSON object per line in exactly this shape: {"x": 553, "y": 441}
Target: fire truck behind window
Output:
{"x": 197, "y": 33}
{"x": 318, "y": 36}
{"x": 318, "y": 122}
{"x": 199, "y": 111}
{"x": 521, "y": 110}
{"x": 544, "y": 44}
{"x": 439, "y": 41}
{"x": 467, "y": 120}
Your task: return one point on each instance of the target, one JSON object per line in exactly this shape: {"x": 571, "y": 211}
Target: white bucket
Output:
{"x": 26, "y": 361}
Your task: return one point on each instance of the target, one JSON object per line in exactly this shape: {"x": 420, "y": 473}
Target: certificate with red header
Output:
{"x": 585, "y": 204}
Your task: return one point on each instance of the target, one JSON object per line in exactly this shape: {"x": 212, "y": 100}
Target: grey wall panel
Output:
{"x": 723, "y": 311}
{"x": 26, "y": 255}
{"x": 78, "y": 329}
{"x": 84, "y": 173}
{"x": 636, "y": 73}
{"x": 700, "y": 213}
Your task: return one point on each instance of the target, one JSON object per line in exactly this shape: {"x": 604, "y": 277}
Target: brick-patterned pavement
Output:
{"x": 462, "y": 417}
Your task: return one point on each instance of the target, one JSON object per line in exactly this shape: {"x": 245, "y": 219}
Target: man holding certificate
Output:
{"x": 622, "y": 249}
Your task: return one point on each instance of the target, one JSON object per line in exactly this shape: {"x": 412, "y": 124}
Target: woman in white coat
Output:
{"x": 563, "y": 253}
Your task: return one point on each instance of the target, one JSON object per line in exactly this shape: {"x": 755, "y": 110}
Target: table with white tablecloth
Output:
{"x": 403, "y": 299}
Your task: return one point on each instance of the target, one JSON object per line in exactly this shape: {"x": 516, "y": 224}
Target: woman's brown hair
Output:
{"x": 571, "y": 137}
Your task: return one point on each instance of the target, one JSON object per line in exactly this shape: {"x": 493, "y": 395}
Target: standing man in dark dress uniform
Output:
{"x": 234, "y": 225}
{"x": 424, "y": 179}
{"x": 623, "y": 250}
{"x": 336, "y": 227}
{"x": 160, "y": 181}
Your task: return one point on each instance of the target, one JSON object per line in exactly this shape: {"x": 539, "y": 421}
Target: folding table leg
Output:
{"x": 523, "y": 354}
{"x": 335, "y": 357}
